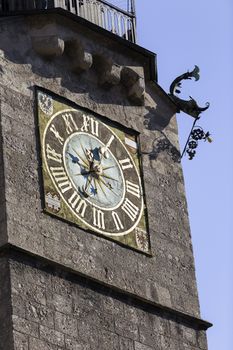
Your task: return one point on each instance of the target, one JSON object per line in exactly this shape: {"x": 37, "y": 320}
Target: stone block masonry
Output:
{"x": 58, "y": 310}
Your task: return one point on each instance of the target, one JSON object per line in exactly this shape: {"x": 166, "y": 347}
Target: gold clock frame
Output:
{"x": 48, "y": 105}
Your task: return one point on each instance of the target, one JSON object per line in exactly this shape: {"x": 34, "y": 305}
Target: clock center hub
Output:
{"x": 97, "y": 168}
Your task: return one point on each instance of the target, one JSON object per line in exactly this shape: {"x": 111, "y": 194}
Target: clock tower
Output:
{"x": 95, "y": 241}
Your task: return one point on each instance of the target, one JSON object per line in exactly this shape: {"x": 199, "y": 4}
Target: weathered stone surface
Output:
{"x": 202, "y": 340}
{"x": 6, "y": 336}
{"x": 52, "y": 336}
{"x": 3, "y": 229}
{"x": 20, "y": 341}
{"x": 48, "y": 46}
{"x": 108, "y": 71}
{"x": 26, "y": 327}
{"x": 81, "y": 60}
{"x": 126, "y": 344}
{"x": 72, "y": 344}
{"x": 39, "y": 313}
{"x": 60, "y": 303}
{"x": 38, "y": 344}
{"x": 134, "y": 80}
{"x": 126, "y": 329}
{"x": 136, "y": 92}
{"x": 140, "y": 346}
{"x": 66, "y": 324}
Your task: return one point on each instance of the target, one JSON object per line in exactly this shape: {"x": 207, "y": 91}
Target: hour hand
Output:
{"x": 85, "y": 189}
{"x": 89, "y": 155}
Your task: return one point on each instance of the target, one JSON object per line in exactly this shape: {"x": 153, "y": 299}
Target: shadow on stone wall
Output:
{"x": 6, "y": 324}
{"x": 157, "y": 119}
{"x": 163, "y": 144}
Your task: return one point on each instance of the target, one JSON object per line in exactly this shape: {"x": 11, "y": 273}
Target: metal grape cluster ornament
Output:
{"x": 191, "y": 108}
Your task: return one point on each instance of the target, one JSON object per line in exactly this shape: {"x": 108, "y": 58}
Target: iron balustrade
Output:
{"x": 100, "y": 12}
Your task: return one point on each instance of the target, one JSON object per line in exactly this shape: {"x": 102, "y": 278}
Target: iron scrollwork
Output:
{"x": 191, "y": 108}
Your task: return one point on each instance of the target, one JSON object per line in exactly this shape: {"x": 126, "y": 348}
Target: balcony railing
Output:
{"x": 100, "y": 12}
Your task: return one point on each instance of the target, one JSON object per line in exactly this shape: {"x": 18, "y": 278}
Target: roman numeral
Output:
{"x": 133, "y": 189}
{"x": 109, "y": 142}
{"x": 117, "y": 221}
{"x": 56, "y": 134}
{"x": 130, "y": 209}
{"x": 94, "y": 127}
{"x": 126, "y": 164}
{"x": 89, "y": 124}
{"x": 69, "y": 122}
{"x": 61, "y": 178}
{"x": 78, "y": 204}
{"x": 51, "y": 154}
{"x": 98, "y": 218}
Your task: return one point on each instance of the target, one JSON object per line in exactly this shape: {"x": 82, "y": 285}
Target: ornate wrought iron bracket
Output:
{"x": 191, "y": 108}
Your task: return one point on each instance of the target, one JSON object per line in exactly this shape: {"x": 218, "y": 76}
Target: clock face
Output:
{"x": 96, "y": 174}
{"x": 91, "y": 172}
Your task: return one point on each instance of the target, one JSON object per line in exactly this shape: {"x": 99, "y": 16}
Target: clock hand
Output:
{"x": 83, "y": 173}
{"x": 103, "y": 151}
{"x": 110, "y": 186}
{"x": 75, "y": 160}
{"x": 86, "y": 165}
{"x": 109, "y": 177}
{"x": 108, "y": 167}
{"x": 106, "y": 185}
{"x": 87, "y": 185}
{"x": 100, "y": 185}
{"x": 88, "y": 154}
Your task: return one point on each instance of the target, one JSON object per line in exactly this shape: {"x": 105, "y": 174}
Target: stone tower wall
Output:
{"x": 70, "y": 289}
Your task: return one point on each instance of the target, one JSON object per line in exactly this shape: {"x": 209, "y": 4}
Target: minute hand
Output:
{"x": 104, "y": 150}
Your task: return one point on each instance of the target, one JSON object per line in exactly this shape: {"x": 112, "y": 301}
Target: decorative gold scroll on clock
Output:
{"x": 91, "y": 172}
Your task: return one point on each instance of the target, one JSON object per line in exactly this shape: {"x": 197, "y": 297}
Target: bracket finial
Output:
{"x": 189, "y": 107}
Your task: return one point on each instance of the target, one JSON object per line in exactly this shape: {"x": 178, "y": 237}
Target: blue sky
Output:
{"x": 184, "y": 33}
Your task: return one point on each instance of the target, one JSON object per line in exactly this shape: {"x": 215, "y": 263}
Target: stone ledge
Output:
{"x": 14, "y": 252}
{"x": 134, "y": 81}
{"x": 151, "y": 67}
{"x": 49, "y": 43}
{"x": 81, "y": 60}
{"x": 108, "y": 71}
